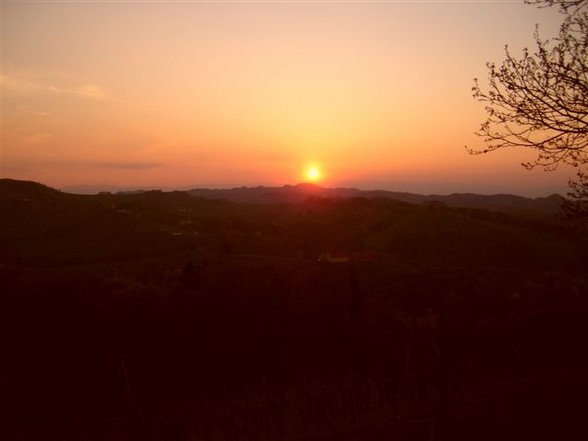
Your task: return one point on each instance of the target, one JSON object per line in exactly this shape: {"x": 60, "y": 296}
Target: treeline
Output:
{"x": 315, "y": 346}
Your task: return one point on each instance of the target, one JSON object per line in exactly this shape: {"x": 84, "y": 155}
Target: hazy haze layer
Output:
{"x": 204, "y": 94}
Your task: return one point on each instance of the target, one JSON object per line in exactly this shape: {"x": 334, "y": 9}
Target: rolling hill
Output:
{"x": 546, "y": 206}
{"x": 123, "y": 316}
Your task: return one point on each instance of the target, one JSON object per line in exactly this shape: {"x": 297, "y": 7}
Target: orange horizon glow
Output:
{"x": 204, "y": 94}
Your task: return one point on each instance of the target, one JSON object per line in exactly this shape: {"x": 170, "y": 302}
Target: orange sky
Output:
{"x": 163, "y": 94}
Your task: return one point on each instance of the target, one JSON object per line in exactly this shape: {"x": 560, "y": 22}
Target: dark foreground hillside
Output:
{"x": 160, "y": 316}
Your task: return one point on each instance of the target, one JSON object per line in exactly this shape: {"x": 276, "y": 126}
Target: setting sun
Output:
{"x": 313, "y": 174}
{"x": 258, "y": 93}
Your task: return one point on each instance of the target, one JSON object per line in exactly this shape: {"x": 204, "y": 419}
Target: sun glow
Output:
{"x": 313, "y": 173}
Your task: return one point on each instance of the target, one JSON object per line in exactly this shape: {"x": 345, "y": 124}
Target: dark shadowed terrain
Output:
{"x": 297, "y": 313}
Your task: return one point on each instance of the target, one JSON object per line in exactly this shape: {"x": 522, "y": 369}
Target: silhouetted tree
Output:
{"x": 541, "y": 100}
{"x": 575, "y": 206}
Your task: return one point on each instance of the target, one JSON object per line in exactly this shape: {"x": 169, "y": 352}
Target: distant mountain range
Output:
{"x": 95, "y": 189}
{"x": 293, "y": 194}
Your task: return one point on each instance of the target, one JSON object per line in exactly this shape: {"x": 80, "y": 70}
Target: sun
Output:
{"x": 313, "y": 173}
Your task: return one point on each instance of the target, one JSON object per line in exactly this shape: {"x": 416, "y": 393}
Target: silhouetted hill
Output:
{"x": 294, "y": 194}
{"x": 12, "y": 189}
{"x": 289, "y": 194}
{"x": 93, "y": 189}
{"x": 42, "y": 226}
{"x": 159, "y": 316}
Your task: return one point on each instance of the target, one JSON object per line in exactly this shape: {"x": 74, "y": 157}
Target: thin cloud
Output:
{"x": 36, "y": 138}
{"x": 23, "y": 85}
{"x": 131, "y": 165}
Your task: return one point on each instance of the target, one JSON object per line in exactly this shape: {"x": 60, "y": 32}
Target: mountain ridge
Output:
{"x": 547, "y": 206}
{"x": 300, "y": 193}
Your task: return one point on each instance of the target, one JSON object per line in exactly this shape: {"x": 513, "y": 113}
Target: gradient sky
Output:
{"x": 163, "y": 94}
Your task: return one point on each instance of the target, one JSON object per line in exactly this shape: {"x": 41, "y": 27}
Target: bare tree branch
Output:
{"x": 540, "y": 100}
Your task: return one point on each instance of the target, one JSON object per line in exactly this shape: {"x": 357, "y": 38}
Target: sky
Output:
{"x": 163, "y": 94}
